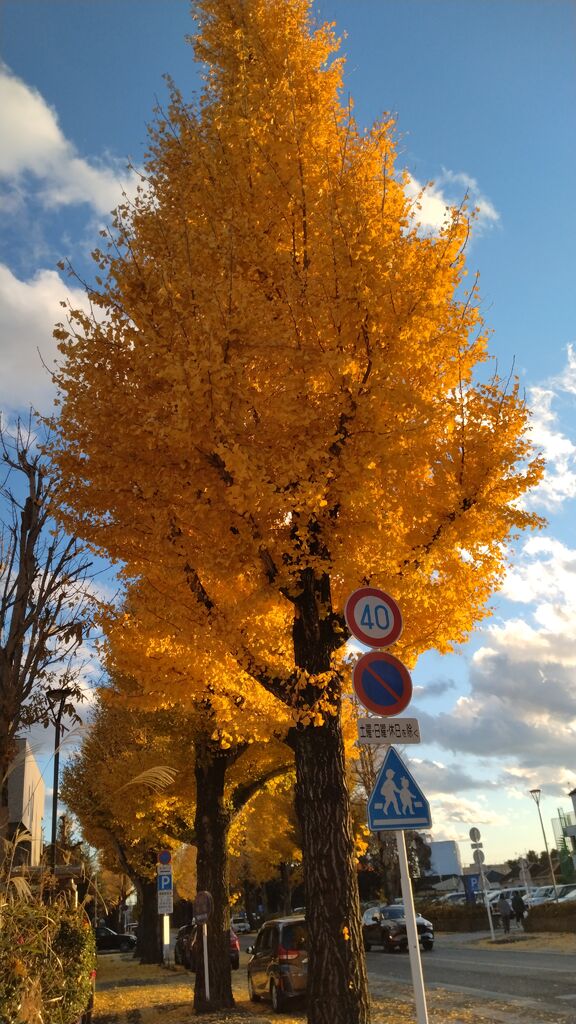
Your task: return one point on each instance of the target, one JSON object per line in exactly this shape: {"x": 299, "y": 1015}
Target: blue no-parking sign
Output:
{"x": 382, "y": 683}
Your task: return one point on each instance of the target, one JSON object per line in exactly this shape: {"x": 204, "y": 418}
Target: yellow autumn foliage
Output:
{"x": 277, "y": 376}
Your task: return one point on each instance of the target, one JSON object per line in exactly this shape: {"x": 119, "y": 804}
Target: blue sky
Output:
{"x": 484, "y": 94}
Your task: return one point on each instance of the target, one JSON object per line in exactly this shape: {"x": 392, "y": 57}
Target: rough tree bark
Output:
{"x": 149, "y": 948}
{"x": 211, "y": 826}
{"x": 337, "y": 981}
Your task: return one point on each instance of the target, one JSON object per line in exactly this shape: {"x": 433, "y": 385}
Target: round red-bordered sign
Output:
{"x": 382, "y": 683}
{"x": 373, "y": 617}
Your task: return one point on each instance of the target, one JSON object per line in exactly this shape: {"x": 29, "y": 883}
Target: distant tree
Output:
{"x": 120, "y": 785}
{"x": 45, "y": 607}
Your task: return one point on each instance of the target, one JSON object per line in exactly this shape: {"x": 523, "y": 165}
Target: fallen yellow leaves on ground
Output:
{"x": 133, "y": 993}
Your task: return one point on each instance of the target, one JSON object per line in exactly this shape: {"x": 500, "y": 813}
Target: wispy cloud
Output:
{"x": 559, "y": 482}
{"x": 520, "y": 713}
{"x": 35, "y": 154}
{"x": 28, "y": 312}
{"x": 449, "y": 189}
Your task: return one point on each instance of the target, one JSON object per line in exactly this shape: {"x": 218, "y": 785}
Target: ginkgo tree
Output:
{"x": 133, "y": 794}
{"x": 275, "y": 399}
{"x": 235, "y": 740}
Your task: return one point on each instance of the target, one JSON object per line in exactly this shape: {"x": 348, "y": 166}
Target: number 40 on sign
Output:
{"x": 373, "y": 617}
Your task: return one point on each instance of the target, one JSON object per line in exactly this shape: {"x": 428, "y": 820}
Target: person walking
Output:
{"x": 519, "y": 908}
{"x": 505, "y": 911}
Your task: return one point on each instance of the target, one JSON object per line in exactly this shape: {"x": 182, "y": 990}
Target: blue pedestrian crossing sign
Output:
{"x": 397, "y": 802}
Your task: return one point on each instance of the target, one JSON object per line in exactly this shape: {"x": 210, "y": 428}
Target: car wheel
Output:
{"x": 252, "y": 994}
{"x": 428, "y": 946}
{"x": 276, "y": 997}
{"x": 234, "y": 963}
{"x": 125, "y": 947}
{"x": 367, "y": 946}
{"x": 177, "y": 957}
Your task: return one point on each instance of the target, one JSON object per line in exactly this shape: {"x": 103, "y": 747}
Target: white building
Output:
{"x": 26, "y": 804}
{"x": 445, "y": 858}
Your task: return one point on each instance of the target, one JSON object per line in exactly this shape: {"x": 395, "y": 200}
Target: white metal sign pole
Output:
{"x": 166, "y": 936}
{"x": 486, "y": 901}
{"x": 206, "y": 976}
{"x": 413, "y": 943}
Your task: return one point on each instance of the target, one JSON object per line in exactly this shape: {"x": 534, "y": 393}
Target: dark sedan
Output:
{"x": 386, "y": 926}
{"x": 107, "y": 940}
{"x": 186, "y": 946}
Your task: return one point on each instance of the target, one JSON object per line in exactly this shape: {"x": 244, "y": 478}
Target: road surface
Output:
{"x": 513, "y": 975}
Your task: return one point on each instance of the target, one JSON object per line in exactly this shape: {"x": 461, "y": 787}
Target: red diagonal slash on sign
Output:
{"x": 386, "y": 700}
{"x": 391, "y": 690}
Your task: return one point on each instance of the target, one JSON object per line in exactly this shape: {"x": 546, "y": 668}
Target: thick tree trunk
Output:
{"x": 212, "y": 823}
{"x": 286, "y": 887}
{"x": 148, "y": 939}
{"x": 7, "y": 754}
{"x": 337, "y": 983}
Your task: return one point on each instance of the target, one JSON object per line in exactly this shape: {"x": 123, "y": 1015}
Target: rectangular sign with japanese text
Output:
{"x": 388, "y": 730}
{"x": 165, "y": 902}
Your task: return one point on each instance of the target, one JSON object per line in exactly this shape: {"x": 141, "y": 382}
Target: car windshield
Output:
{"x": 295, "y": 936}
{"x": 393, "y": 913}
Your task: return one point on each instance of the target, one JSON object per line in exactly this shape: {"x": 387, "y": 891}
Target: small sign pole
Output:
{"x": 478, "y": 857}
{"x": 203, "y": 907}
{"x": 412, "y": 932}
{"x": 206, "y": 975}
{"x": 165, "y": 891}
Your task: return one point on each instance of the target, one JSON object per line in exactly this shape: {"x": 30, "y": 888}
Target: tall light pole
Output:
{"x": 536, "y": 794}
{"x": 57, "y": 698}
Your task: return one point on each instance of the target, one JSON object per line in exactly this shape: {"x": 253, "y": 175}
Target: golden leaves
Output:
{"x": 294, "y": 371}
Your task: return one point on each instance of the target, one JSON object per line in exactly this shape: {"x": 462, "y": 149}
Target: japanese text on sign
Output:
{"x": 384, "y": 730}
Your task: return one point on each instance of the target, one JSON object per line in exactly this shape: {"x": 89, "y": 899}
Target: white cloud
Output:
{"x": 559, "y": 482}
{"x": 448, "y": 191}
{"x": 567, "y": 379}
{"x": 28, "y": 312}
{"x": 33, "y": 144}
{"x": 545, "y": 573}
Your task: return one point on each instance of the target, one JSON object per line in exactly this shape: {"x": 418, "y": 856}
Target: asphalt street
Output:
{"x": 518, "y": 976}
{"x": 512, "y": 975}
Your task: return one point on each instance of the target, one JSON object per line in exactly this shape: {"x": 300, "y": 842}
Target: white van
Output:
{"x": 495, "y": 894}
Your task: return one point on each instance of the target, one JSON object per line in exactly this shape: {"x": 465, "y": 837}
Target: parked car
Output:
{"x": 566, "y": 893}
{"x": 186, "y": 946}
{"x": 182, "y": 946}
{"x": 538, "y": 895}
{"x": 107, "y": 940}
{"x": 240, "y": 923}
{"x": 278, "y": 966}
{"x": 452, "y": 897}
{"x": 386, "y": 926}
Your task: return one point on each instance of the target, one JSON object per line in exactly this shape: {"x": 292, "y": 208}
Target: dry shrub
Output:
{"x": 47, "y": 955}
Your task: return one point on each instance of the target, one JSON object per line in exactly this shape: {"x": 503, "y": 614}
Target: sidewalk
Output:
{"x": 130, "y": 993}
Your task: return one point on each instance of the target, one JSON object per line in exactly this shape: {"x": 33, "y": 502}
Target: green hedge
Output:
{"x": 47, "y": 955}
{"x": 450, "y": 918}
{"x": 549, "y": 917}
{"x": 552, "y": 917}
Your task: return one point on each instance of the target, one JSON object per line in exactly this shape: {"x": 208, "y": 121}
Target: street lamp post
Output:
{"x": 58, "y": 698}
{"x": 536, "y": 794}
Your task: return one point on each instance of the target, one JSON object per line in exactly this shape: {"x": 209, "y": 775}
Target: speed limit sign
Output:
{"x": 373, "y": 617}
